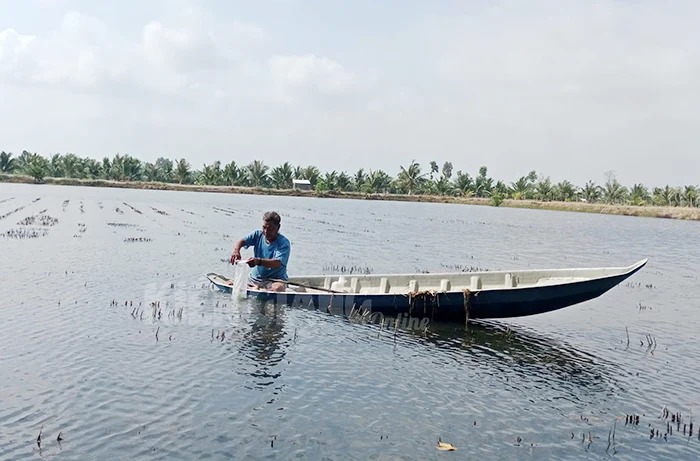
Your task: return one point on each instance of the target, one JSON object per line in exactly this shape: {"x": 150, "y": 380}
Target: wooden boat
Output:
{"x": 445, "y": 296}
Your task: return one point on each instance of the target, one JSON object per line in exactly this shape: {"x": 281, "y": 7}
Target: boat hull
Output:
{"x": 452, "y": 306}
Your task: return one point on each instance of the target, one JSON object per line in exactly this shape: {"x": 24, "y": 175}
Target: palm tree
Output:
{"x": 614, "y": 192}
{"x": 544, "y": 190}
{"x": 7, "y": 163}
{"x": 299, "y": 172}
{"x": 443, "y": 186}
{"x": 257, "y": 173}
{"x": 343, "y": 182}
{"x": 433, "y": 169}
{"x": 669, "y": 196}
{"x": 71, "y": 166}
{"x": 690, "y": 195}
{"x": 639, "y": 195}
{"x": 56, "y": 166}
{"x": 310, "y": 173}
{"x": 464, "y": 184}
{"x": 150, "y": 172}
{"x": 411, "y": 178}
{"x": 282, "y": 176}
{"x": 164, "y": 167}
{"x": 566, "y": 191}
{"x": 233, "y": 175}
{"x": 107, "y": 168}
{"x": 91, "y": 168}
{"x": 22, "y": 162}
{"x": 483, "y": 184}
{"x": 328, "y": 182}
{"x": 117, "y": 168}
{"x": 522, "y": 188}
{"x": 38, "y": 168}
{"x": 359, "y": 179}
{"x": 591, "y": 192}
{"x": 182, "y": 171}
{"x": 377, "y": 182}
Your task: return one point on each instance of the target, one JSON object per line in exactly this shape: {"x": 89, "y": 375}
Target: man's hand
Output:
{"x": 235, "y": 256}
{"x": 252, "y": 262}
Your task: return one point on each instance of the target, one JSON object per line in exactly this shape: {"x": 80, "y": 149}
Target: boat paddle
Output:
{"x": 287, "y": 282}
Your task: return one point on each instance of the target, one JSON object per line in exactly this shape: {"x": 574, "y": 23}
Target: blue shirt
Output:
{"x": 279, "y": 249}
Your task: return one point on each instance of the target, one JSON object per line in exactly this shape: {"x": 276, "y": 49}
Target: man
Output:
{"x": 271, "y": 254}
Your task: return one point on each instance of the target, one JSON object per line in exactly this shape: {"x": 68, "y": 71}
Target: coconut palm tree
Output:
{"x": 233, "y": 175}
{"x": 566, "y": 191}
{"x": 377, "y": 182}
{"x": 7, "y": 163}
{"x": 182, "y": 171}
{"x": 464, "y": 184}
{"x": 544, "y": 190}
{"x": 71, "y": 166}
{"x": 281, "y": 176}
{"x": 165, "y": 169}
{"x": 359, "y": 179}
{"x": 256, "y": 172}
{"x": 690, "y": 194}
{"x": 211, "y": 175}
{"x": 343, "y": 182}
{"x": 310, "y": 173}
{"x": 37, "y": 168}
{"x": 411, "y": 178}
{"x": 56, "y": 166}
{"x": 22, "y": 162}
{"x": 523, "y": 188}
{"x": 483, "y": 184}
{"x": 91, "y": 168}
{"x": 433, "y": 169}
{"x": 614, "y": 192}
{"x": 591, "y": 192}
{"x": 639, "y": 195}
{"x": 443, "y": 186}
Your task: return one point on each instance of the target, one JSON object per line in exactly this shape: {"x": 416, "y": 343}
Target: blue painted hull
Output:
{"x": 450, "y": 306}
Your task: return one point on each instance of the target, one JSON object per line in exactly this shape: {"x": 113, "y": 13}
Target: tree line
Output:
{"x": 410, "y": 179}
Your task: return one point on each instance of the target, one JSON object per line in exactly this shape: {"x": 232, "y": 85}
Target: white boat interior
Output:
{"x": 446, "y": 282}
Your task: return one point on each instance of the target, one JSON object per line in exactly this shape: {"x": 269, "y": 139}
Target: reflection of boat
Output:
{"x": 519, "y": 351}
{"x": 447, "y": 296}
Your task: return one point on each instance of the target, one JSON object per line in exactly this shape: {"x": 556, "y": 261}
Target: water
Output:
{"x": 75, "y": 360}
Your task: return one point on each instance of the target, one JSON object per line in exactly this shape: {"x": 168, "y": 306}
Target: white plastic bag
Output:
{"x": 241, "y": 273}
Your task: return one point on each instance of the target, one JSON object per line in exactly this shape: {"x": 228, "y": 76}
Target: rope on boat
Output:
{"x": 412, "y": 295}
{"x": 467, "y": 305}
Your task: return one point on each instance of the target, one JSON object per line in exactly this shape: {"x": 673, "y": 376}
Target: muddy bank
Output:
{"x": 685, "y": 213}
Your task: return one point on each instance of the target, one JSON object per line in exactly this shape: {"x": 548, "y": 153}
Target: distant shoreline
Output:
{"x": 648, "y": 211}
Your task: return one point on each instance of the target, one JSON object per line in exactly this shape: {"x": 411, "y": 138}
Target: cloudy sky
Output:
{"x": 569, "y": 88}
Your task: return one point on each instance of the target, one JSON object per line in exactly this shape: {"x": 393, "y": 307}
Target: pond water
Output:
{"x": 112, "y": 337}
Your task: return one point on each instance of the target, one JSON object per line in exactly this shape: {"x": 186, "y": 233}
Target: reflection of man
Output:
{"x": 271, "y": 253}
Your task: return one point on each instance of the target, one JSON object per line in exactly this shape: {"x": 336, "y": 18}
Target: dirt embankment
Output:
{"x": 685, "y": 213}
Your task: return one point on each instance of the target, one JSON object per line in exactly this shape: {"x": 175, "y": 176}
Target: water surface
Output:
{"x": 85, "y": 353}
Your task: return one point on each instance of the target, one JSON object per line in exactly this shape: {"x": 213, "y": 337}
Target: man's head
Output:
{"x": 271, "y": 225}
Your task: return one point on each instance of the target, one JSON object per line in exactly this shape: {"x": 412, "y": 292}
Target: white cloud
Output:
{"x": 571, "y": 88}
{"x": 186, "y": 53}
{"x": 308, "y": 72}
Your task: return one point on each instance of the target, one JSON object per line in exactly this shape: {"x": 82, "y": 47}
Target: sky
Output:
{"x": 572, "y": 89}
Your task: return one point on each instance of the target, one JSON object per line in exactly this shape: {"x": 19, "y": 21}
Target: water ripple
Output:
{"x": 85, "y": 355}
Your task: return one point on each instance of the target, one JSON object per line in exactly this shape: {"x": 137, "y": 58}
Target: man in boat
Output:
{"x": 271, "y": 254}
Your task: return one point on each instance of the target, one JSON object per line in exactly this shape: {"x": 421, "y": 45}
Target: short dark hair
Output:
{"x": 272, "y": 217}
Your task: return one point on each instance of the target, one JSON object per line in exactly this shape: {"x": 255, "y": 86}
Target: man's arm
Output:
{"x": 236, "y": 254}
{"x": 279, "y": 259}
{"x": 247, "y": 241}
{"x": 267, "y": 263}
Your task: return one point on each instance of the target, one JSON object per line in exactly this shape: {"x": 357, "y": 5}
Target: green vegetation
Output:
{"x": 410, "y": 180}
